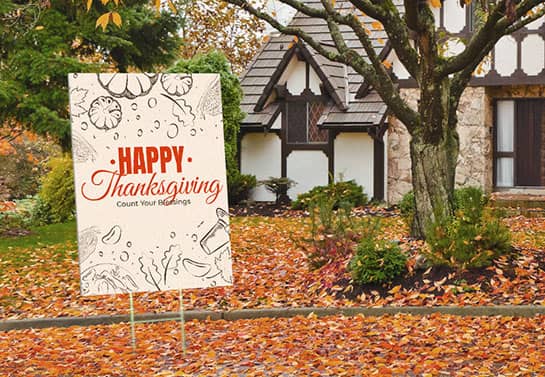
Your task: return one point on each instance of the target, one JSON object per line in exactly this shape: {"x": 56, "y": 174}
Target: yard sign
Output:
{"x": 149, "y": 169}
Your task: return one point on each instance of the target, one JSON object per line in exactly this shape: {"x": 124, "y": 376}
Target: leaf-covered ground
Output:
{"x": 270, "y": 270}
{"x": 401, "y": 345}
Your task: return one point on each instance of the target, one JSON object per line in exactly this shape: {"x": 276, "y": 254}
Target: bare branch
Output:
{"x": 522, "y": 23}
{"x": 374, "y": 73}
{"x": 289, "y": 30}
{"x": 497, "y": 25}
{"x": 398, "y": 36}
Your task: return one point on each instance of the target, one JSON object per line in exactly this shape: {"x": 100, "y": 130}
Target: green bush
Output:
{"x": 41, "y": 213}
{"x": 407, "y": 207}
{"x": 332, "y": 232}
{"x": 10, "y": 221}
{"x": 472, "y": 199}
{"x": 344, "y": 191}
{"x": 56, "y": 195}
{"x": 470, "y": 239}
{"x": 377, "y": 261}
{"x": 239, "y": 186}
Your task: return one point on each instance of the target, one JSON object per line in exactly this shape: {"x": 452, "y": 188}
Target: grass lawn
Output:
{"x": 19, "y": 251}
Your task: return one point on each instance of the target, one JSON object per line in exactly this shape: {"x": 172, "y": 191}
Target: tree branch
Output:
{"x": 522, "y": 23}
{"x": 398, "y": 34}
{"x": 375, "y": 73}
{"x": 411, "y": 14}
{"x": 496, "y": 25}
{"x": 289, "y": 30}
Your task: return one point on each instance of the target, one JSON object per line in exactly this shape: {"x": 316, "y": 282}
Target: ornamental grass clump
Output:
{"x": 472, "y": 238}
{"x": 332, "y": 232}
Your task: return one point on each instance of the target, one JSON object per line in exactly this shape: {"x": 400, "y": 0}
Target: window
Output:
{"x": 302, "y": 122}
{"x": 505, "y": 130}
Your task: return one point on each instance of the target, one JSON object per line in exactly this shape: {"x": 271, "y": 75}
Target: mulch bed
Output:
{"x": 266, "y": 209}
{"x": 436, "y": 281}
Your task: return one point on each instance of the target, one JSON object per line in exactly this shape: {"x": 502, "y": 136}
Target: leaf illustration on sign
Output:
{"x": 150, "y": 270}
{"x": 159, "y": 272}
{"x": 223, "y": 263}
{"x": 87, "y": 241}
{"x": 169, "y": 262}
{"x": 210, "y": 102}
{"x": 181, "y": 110}
{"x": 77, "y": 99}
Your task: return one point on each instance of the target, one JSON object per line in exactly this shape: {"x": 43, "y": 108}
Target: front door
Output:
{"x": 528, "y": 142}
{"x": 520, "y": 143}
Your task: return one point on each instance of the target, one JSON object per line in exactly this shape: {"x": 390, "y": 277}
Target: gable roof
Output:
{"x": 341, "y": 82}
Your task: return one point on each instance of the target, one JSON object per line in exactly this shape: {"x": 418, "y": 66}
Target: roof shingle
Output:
{"x": 343, "y": 81}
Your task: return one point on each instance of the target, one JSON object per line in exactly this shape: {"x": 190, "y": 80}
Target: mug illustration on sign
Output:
{"x": 218, "y": 236}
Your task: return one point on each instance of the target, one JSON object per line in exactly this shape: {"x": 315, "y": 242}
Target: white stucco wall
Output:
{"x": 354, "y": 159}
{"x": 506, "y": 56}
{"x": 532, "y": 54}
{"x": 260, "y": 155}
{"x": 308, "y": 169}
{"x": 455, "y": 16}
{"x": 294, "y": 77}
{"x": 399, "y": 69}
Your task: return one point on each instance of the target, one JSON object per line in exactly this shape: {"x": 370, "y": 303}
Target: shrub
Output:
{"x": 377, "y": 261}
{"x": 22, "y": 154}
{"x": 15, "y": 217}
{"x": 470, "y": 239}
{"x": 279, "y": 187}
{"x": 472, "y": 199}
{"x": 10, "y": 221}
{"x": 344, "y": 191}
{"x": 331, "y": 230}
{"x": 239, "y": 186}
{"x": 407, "y": 207}
{"x": 57, "y": 191}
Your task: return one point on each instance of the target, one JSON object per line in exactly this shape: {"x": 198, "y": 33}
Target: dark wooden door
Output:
{"x": 528, "y": 142}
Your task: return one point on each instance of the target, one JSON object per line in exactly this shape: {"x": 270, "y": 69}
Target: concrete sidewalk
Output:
{"x": 233, "y": 315}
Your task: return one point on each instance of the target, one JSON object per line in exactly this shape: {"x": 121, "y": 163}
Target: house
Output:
{"x": 314, "y": 120}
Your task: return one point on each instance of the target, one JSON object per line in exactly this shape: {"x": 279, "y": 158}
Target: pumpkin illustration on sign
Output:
{"x": 176, "y": 85}
{"x": 127, "y": 85}
{"x": 105, "y": 113}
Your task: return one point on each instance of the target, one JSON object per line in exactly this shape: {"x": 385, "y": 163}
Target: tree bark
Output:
{"x": 433, "y": 182}
{"x": 434, "y": 152}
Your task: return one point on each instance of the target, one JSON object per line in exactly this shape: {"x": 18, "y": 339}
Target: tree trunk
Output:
{"x": 434, "y": 152}
{"x": 433, "y": 167}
